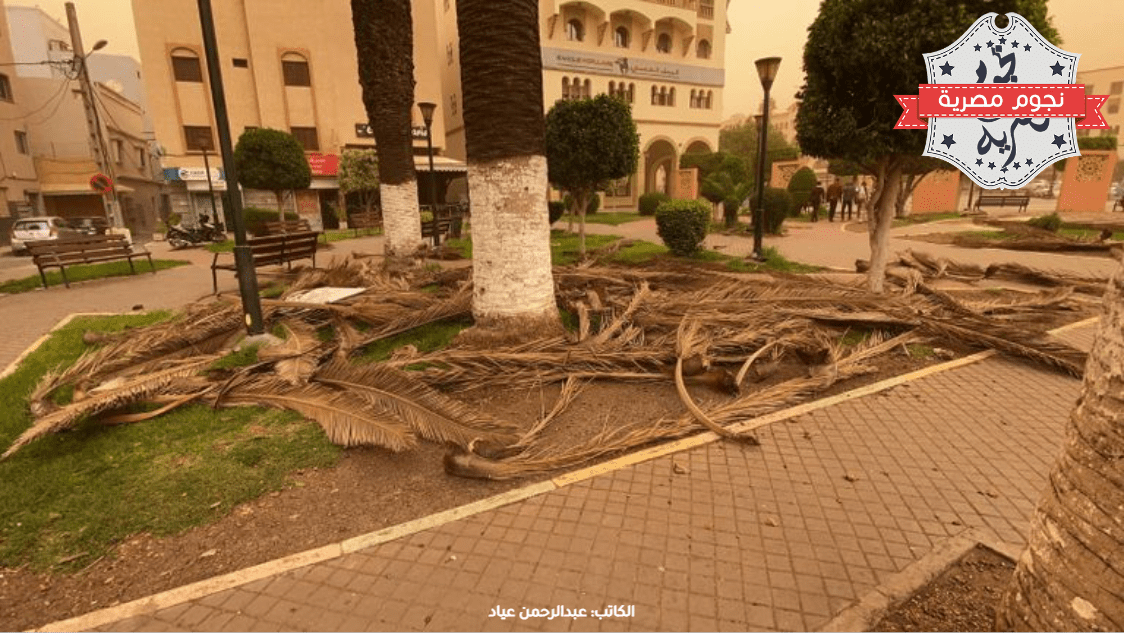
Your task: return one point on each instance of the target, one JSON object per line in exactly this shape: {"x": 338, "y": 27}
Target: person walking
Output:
{"x": 860, "y": 198}
{"x": 848, "y": 210}
{"x": 816, "y": 199}
{"x": 834, "y": 194}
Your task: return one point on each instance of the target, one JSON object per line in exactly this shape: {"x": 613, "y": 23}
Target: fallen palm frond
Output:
{"x": 571, "y": 389}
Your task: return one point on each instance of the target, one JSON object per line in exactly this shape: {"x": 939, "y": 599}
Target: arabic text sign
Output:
{"x": 560, "y": 611}
{"x": 1001, "y": 100}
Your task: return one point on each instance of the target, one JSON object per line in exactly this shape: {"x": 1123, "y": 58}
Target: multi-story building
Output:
{"x": 665, "y": 57}
{"x": 1109, "y": 81}
{"x": 18, "y": 183}
{"x": 284, "y": 67}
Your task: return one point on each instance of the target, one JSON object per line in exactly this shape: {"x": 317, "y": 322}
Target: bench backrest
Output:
{"x": 283, "y": 247}
{"x": 1002, "y": 199}
{"x": 286, "y": 226}
{"x": 368, "y": 220}
{"x": 79, "y": 247}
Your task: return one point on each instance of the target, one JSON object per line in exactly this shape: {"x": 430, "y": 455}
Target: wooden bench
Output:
{"x": 1003, "y": 201}
{"x": 368, "y": 220}
{"x": 447, "y": 221}
{"x": 1119, "y": 203}
{"x": 274, "y": 227}
{"x": 271, "y": 250}
{"x": 83, "y": 249}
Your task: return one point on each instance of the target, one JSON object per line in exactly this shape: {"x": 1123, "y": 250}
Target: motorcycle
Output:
{"x": 186, "y": 237}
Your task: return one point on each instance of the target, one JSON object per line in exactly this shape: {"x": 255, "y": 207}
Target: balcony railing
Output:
{"x": 679, "y": 4}
{"x": 706, "y": 10}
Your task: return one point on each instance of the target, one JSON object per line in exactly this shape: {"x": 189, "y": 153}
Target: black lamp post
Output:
{"x": 427, "y": 109}
{"x": 767, "y": 70}
{"x": 207, "y": 145}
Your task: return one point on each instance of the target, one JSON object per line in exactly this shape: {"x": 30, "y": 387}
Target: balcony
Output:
{"x": 679, "y": 4}
{"x": 706, "y": 9}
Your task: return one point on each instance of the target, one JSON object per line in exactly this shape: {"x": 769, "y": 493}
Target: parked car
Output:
{"x": 90, "y": 226}
{"x": 38, "y": 228}
{"x": 1040, "y": 189}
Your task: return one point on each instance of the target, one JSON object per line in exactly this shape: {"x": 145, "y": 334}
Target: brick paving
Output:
{"x": 719, "y": 537}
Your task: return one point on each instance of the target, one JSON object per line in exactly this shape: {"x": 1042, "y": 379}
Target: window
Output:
{"x": 1116, "y": 87}
{"x": 1088, "y": 89}
{"x": 1113, "y": 106}
{"x": 655, "y": 96}
{"x": 575, "y": 30}
{"x": 704, "y": 49}
{"x": 22, "y": 145}
{"x": 453, "y": 104}
{"x": 671, "y": 97}
{"x": 295, "y": 72}
{"x": 693, "y": 102}
{"x": 631, "y": 93}
{"x": 118, "y": 151}
{"x": 142, "y": 157}
{"x": 307, "y": 137}
{"x": 446, "y": 6}
{"x": 5, "y": 88}
{"x": 621, "y": 37}
{"x": 565, "y": 87}
{"x": 241, "y": 62}
{"x": 663, "y": 43}
{"x": 185, "y": 66}
{"x": 198, "y": 137}
{"x": 449, "y": 53}
{"x": 57, "y": 45}
{"x": 587, "y": 89}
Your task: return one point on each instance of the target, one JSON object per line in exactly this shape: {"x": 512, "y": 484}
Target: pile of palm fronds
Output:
{"x": 727, "y": 332}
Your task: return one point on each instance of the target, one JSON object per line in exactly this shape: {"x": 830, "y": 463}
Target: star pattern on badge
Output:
{"x": 948, "y": 142}
{"x": 1058, "y": 140}
{"x": 1057, "y": 68}
{"x": 946, "y": 69}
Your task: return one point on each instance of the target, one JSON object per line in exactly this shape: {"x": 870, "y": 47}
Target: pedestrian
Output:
{"x": 860, "y": 198}
{"x": 816, "y": 199}
{"x": 849, "y": 191}
{"x": 834, "y": 194}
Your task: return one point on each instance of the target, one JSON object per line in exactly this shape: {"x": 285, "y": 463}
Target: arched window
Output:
{"x": 185, "y": 65}
{"x": 612, "y": 88}
{"x": 671, "y": 97}
{"x": 694, "y": 100}
{"x": 565, "y": 87}
{"x": 575, "y": 30}
{"x": 622, "y": 37}
{"x": 588, "y": 91}
{"x": 655, "y": 95}
{"x": 663, "y": 95}
{"x": 663, "y": 43}
{"x": 631, "y": 93}
{"x": 704, "y": 49}
{"x": 709, "y": 99}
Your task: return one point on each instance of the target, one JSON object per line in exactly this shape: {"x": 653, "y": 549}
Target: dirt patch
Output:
{"x": 963, "y": 598}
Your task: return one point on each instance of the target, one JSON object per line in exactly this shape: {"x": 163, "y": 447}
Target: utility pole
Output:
{"x": 93, "y": 123}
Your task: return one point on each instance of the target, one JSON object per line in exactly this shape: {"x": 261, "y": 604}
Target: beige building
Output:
{"x": 18, "y": 182}
{"x": 284, "y": 66}
{"x": 665, "y": 57}
{"x": 1107, "y": 81}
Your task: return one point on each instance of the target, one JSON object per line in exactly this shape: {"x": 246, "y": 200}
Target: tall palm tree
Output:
{"x": 501, "y": 75}
{"x": 384, "y": 42}
{"x": 1071, "y": 576}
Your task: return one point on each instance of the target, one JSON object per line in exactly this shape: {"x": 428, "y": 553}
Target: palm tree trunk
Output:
{"x": 882, "y": 216}
{"x": 501, "y": 74}
{"x": 385, "y": 46}
{"x": 1071, "y": 575}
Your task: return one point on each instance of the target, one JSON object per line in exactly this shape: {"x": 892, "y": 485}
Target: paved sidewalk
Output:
{"x": 718, "y": 537}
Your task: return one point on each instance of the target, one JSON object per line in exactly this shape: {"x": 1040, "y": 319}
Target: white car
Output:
{"x": 38, "y": 228}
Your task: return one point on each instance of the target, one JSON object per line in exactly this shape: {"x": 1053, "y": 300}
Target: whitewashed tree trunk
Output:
{"x": 882, "y": 218}
{"x": 513, "y": 284}
{"x": 401, "y": 218}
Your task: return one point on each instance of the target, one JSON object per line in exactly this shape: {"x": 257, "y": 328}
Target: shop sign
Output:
{"x": 363, "y": 130}
{"x": 324, "y": 164}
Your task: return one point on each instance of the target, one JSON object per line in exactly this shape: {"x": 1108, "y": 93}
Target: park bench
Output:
{"x": 1003, "y": 201}
{"x": 368, "y": 220}
{"x": 273, "y": 227}
{"x": 83, "y": 249}
{"x": 447, "y": 222}
{"x": 272, "y": 250}
{"x": 1119, "y": 203}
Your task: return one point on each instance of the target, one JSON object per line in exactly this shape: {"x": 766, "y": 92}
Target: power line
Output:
{"x": 46, "y": 104}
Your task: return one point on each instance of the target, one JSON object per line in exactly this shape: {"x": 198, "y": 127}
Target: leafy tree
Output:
{"x": 801, "y": 185}
{"x": 272, "y": 160}
{"x": 359, "y": 173}
{"x": 590, "y": 142}
{"x": 848, "y": 109}
{"x": 724, "y": 180}
{"x": 742, "y": 141}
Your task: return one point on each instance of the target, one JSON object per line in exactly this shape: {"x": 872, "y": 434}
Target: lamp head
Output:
{"x": 427, "y": 109}
{"x": 98, "y": 45}
{"x": 767, "y": 70}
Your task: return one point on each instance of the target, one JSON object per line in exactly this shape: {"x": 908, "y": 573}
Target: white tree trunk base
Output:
{"x": 401, "y": 218}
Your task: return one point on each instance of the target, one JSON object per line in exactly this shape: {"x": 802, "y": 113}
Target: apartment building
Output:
{"x": 284, "y": 66}
{"x": 1107, "y": 81}
{"x": 665, "y": 57}
{"x": 18, "y": 183}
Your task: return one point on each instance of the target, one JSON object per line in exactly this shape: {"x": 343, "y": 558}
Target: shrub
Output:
{"x": 557, "y": 210}
{"x": 800, "y": 186}
{"x": 1051, "y": 222}
{"x": 682, "y": 225}
{"x": 257, "y": 217}
{"x": 594, "y": 203}
{"x": 778, "y": 205}
{"x": 649, "y": 202}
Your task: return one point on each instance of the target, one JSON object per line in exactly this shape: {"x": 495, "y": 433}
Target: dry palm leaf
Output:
{"x": 431, "y": 414}
{"x": 458, "y": 305}
{"x": 571, "y": 389}
{"x": 295, "y": 358}
{"x": 347, "y": 419}
{"x": 131, "y": 390}
{"x": 604, "y": 336}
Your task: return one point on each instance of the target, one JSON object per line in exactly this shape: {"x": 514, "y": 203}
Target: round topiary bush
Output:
{"x": 649, "y": 202}
{"x": 557, "y": 210}
{"x": 594, "y": 203}
{"x": 778, "y": 206}
{"x": 682, "y": 225}
{"x": 1051, "y": 222}
{"x": 800, "y": 187}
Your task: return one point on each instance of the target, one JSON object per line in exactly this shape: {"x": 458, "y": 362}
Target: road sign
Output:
{"x": 101, "y": 183}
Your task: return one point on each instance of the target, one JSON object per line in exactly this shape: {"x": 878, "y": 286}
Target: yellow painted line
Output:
{"x": 637, "y": 457}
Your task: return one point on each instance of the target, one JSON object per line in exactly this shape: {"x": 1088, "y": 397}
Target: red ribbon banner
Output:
{"x": 1001, "y": 101}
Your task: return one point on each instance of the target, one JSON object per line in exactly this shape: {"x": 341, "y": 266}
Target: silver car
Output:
{"x": 38, "y": 228}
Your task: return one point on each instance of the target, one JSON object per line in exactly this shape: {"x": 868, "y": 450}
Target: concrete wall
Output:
{"x": 1086, "y": 181}
{"x": 18, "y": 183}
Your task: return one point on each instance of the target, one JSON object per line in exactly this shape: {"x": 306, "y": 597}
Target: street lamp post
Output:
{"x": 427, "y": 109}
{"x": 767, "y": 71}
{"x": 210, "y": 184}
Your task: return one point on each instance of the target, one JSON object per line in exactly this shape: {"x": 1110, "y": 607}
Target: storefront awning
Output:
{"x": 440, "y": 164}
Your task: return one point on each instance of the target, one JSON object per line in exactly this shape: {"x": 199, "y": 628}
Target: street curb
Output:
{"x": 200, "y": 589}
{"x": 899, "y": 587}
{"x": 11, "y": 368}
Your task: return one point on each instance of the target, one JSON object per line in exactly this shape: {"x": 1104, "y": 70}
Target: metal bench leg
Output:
{"x": 214, "y": 281}
{"x": 132, "y": 269}
{"x": 62, "y": 269}
{"x": 43, "y": 276}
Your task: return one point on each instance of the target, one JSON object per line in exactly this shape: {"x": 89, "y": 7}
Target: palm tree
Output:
{"x": 1071, "y": 576}
{"x": 501, "y": 74}
{"x": 385, "y": 45}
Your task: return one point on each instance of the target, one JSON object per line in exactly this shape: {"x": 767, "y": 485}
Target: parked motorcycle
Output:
{"x": 185, "y": 237}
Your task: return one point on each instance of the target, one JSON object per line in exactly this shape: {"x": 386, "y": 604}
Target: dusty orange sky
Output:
{"x": 759, "y": 28}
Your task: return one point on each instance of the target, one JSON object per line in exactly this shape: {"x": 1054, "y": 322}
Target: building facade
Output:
{"x": 18, "y": 182}
{"x": 283, "y": 67}
{"x": 1107, "y": 81}
{"x": 665, "y": 57}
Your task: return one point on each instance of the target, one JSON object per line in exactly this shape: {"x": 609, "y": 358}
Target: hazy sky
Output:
{"x": 759, "y": 28}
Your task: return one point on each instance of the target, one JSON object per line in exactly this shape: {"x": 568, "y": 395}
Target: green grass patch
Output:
{"x": 641, "y": 252}
{"x": 427, "y": 338}
{"x": 241, "y": 357}
{"x": 563, "y": 245}
{"x": 922, "y": 218}
{"x": 987, "y": 235}
{"x": 612, "y": 218}
{"x": 1086, "y": 233}
{"x": 75, "y": 494}
{"x": 853, "y": 337}
{"x": 86, "y": 272}
{"x": 739, "y": 227}
{"x": 917, "y": 350}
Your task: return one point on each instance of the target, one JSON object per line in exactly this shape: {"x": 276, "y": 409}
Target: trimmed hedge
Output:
{"x": 594, "y": 203}
{"x": 557, "y": 209}
{"x": 649, "y": 202}
{"x": 256, "y": 218}
{"x": 682, "y": 225}
{"x": 778, "y": 206}
{"x": 800, "y": 186}
{"x": 1051, "y": 222}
